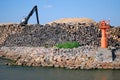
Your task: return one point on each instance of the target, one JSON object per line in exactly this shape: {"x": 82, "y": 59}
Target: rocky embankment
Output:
{"x": 84, "y": 57}
{"x": 33, "y": 45}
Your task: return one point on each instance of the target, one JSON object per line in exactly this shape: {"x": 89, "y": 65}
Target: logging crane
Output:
{"x": 25, "y": 20}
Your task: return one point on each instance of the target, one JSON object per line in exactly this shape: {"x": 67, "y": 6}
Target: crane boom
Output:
{"x": 25, "y": 20}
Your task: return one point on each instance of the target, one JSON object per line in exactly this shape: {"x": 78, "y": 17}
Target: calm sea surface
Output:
{"x": 40, "y": 73}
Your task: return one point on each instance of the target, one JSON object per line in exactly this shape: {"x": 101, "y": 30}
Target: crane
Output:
{"x": 25, "y": 20}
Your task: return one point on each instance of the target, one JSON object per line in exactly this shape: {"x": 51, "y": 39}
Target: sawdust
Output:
{"x": 74, "y": 20}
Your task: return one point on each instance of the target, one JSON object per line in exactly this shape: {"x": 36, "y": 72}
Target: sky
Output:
{"x": 50, "y": 10}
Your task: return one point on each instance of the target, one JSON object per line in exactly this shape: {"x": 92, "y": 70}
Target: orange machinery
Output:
{"x": 104, "y": 25}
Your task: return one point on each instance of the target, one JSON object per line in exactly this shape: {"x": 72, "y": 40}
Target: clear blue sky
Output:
{"x": 49, "y": 10}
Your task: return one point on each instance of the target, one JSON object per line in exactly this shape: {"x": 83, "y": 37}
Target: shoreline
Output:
{"x": 84, "y": 57}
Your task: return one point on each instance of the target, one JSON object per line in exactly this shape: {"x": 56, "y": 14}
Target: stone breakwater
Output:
{"x": 84, "y": 57}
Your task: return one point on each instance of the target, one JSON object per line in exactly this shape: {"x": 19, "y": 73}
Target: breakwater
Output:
{"x": 84, "y": 57}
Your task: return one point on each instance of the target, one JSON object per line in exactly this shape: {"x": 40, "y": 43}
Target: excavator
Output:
{"x": 25, "y": 20}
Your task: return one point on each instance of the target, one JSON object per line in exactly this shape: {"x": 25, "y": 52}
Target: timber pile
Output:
{"x": 83, "y": 30}
{"x": 51, "y": 34}
{"x": 115, "y": 33}
{"x": 8, "y": 29}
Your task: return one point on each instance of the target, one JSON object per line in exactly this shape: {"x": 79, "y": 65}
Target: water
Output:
{"x": 40, "y": 73}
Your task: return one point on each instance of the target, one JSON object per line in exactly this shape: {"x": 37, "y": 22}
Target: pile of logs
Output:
{"x": 49, "y": 35}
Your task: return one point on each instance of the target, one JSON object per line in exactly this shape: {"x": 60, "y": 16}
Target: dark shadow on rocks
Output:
{"x": 113, "y": 54}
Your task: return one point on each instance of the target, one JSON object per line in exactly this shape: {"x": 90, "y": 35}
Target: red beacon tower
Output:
{"x": 104, "y": 25}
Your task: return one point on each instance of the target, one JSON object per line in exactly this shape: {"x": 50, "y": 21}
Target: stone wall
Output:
{"x": 84, "y": 57}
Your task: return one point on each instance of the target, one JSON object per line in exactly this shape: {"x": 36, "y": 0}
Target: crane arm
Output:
{"x": 25, "y": 20}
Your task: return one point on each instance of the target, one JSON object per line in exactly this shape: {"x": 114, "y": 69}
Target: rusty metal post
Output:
{"x": 104, "y": 26}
